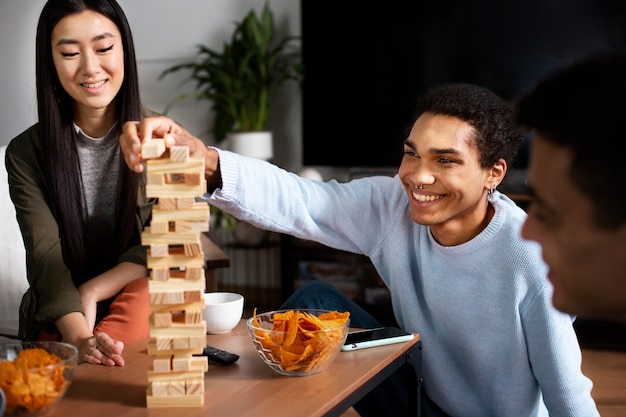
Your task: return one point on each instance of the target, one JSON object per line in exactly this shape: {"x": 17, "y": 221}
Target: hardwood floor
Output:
{"x": 604, "y": 362}
{"x": 607, "y": 370}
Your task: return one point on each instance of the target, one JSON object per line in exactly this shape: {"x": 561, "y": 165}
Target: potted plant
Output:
{"x": 242, "y": 81}
{"x": 243, "y": 78}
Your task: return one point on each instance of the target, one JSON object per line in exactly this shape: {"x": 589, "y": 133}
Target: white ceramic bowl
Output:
{"x": 222, "y": 311}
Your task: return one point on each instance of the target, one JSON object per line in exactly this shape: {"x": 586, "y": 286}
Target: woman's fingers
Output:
{"x": 110, "y": 349}
{"x": 102, "y": 349}
{"x": 88, "y": 351}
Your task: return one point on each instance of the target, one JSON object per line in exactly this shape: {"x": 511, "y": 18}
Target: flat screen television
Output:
{"x": 366, "y": 63}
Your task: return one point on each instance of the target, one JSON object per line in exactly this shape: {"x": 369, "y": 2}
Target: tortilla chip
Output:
{"x": 301, "y": 341}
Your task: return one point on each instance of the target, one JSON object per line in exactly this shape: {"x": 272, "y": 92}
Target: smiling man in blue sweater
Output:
{"x": 447, "y": 245}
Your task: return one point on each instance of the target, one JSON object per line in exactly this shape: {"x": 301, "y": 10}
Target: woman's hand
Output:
{"x": 98, "y": 349}
{"x": 101, "y": 349}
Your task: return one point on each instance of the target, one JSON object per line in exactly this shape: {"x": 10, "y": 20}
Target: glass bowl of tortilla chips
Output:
{"x": 299, "y": 342}
{"x": 35, "y": 375}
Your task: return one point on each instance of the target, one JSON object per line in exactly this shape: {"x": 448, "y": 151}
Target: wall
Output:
{"x": 165, "y": 33}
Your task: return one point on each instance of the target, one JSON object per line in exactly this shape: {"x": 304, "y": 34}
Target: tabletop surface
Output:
{"x": 247, "y": 388}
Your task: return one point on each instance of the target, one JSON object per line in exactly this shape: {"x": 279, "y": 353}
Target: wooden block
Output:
{"x": 179, "y": 331}
{"x": 175, "y": 284}
{"x": 167, "y": 297}
{"x": 162, "y": 319}
{"x": 153, "y": 350}
{"x": 193, "y": 316}
{"x": 175, "y": 297}
{"x": 153, "y": 401}
{"x": 197, "y": 212}
{"x": 160, "y": 274}
{"x": 181, "y": 343}
{"x": 155, "y": 179}
{"x": 167, "y": 166}
{"x": 159, "y": 250}
{"x": 194, "y": 273}
{"x": 183, "y": 203}
{"x": 167, "y": 203}
{"x": 170, "y": 237}
{"x": 193, "y": 179}
{"x": 194, "y": 387}
{"x": 183, "y": 226}
{"x": 175, "y": 260}
{"x": 200, "y": 226}
{"x": 186, "y": 226}
{"x": 176, "y": 388}
{"x": 163, "y": 308}
{"x": 153, "y": 148}
{"x": 159, "y": 226}
{"x": 162, "y": 364}
{"x": 198, "y": 342}
{"x": 200, "y": 363}
{"x": 159, "y": 388}
{"x": 175, "y": 376}
{"x": 192, "y": 249}
{"x": 193, "y": 296}
{"x": 163, "y": 343}
{"x": 179, "y": 153}
{"x": 181, "y": 363}
{"x": 175, "y": 190}
{"x": 176, "y": 182}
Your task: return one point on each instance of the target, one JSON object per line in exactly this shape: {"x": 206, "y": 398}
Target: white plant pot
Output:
{"x": 253, "y": 144}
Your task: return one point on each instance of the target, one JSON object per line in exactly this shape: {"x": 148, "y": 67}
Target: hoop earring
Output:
{"x": 490, "y": 193}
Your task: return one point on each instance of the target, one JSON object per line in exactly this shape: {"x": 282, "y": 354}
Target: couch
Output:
{"x": 13, "y": 282}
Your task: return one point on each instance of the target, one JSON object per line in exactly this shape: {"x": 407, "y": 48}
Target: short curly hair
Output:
{"x": 496, "y": 134}
{"x": 582, "y": 108}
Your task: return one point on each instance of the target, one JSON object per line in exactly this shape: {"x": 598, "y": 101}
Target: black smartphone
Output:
{"x": 379, "y": 336}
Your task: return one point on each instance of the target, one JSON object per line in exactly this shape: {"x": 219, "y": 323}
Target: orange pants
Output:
{"x": 128, "y": 316}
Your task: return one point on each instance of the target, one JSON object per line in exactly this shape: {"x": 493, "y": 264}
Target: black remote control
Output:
{"x": 219, "y": 356}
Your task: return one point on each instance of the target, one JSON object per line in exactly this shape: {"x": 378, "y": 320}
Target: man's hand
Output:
{"x": 136, "y": 133}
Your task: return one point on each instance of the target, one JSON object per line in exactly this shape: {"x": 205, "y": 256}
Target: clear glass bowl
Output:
{"x": 306, "y": 352}
{"x": 31, "y": 389}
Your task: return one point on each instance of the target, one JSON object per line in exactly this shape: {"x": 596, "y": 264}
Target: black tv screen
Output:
{"x": 366, "y": 63}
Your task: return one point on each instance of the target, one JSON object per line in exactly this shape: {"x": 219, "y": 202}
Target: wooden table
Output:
{"x": 247, "y": 388}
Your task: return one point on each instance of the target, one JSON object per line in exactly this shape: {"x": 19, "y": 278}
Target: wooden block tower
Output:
{"x": 177, "y": 283}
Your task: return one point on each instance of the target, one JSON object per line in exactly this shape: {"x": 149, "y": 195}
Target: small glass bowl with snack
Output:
{"x": 35, "y": 375}
{"x": 299, "y": 342}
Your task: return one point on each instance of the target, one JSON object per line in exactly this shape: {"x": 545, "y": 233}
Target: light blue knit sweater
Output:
{"x": 493, "y": 343}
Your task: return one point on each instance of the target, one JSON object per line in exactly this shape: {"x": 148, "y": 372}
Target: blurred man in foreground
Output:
{"x": 577, "y": 179}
